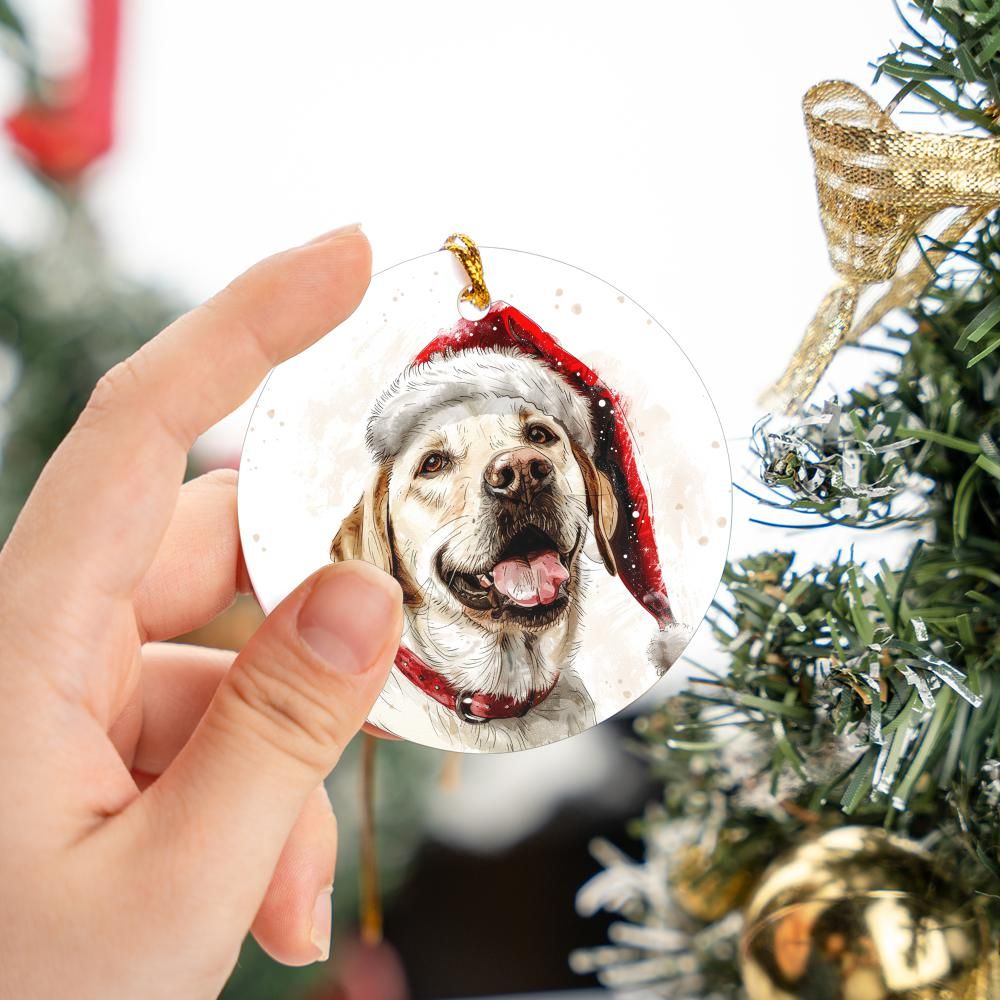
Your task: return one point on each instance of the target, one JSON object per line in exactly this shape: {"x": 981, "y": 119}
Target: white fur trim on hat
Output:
{"x": 474, "y": 373}
{"x": 666, "y": 646}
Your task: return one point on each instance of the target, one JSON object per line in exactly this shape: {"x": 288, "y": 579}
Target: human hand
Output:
{"x": 159, "y": 800}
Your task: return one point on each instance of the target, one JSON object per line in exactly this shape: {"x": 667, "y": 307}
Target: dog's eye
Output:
{"x": 539, "y": 434}
{"x": 433, "y": 464}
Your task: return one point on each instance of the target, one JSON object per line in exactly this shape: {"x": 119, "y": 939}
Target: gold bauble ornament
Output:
{"x": 859, "y": 914}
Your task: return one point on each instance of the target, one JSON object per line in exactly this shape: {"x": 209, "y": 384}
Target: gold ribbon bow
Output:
{"x": 878, "y": 186}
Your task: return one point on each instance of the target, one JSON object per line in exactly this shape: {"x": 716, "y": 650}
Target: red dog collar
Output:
{"x": 470, "y": 706}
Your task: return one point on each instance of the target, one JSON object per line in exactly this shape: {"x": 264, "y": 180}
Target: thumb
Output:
{"x": 290, "y": 704}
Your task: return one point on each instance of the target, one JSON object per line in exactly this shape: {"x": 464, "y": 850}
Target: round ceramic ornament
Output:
{"x": 538, "y": 465}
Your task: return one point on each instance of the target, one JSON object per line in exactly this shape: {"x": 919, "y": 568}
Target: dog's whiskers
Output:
{"x": 453, "y": 524}
{"x": 581, "y": 497}
{"x": 431, "y": 628}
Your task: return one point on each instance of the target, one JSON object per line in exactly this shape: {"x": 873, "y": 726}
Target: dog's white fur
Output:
{"x": 406, "y": 520}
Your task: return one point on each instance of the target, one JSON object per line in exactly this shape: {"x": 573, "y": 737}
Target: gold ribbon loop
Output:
{"x": 467, "y": 252}
{"x": 878, "y": 187}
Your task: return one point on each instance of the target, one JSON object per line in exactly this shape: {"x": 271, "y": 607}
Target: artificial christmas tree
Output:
{"x": 856, "y": 695}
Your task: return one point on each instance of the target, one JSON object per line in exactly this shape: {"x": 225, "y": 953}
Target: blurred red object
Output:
{"x": 63, "y": 136}
{"x": 367, "y": 972}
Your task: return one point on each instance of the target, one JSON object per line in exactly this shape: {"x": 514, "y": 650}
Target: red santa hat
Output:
{"x": 505, "y": 354}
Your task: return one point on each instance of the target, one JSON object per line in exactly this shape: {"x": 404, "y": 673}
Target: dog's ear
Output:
{"x": 364, "y": 533}
{"x": 602, "y": 505}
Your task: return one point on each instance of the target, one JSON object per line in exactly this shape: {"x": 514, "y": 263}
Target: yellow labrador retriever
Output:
{"x": 481, "y": 504}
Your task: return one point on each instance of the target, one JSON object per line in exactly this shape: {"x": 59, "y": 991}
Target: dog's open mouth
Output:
{"x": 529, "y": 581}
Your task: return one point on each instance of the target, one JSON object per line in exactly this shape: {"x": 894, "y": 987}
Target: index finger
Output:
{"x": 102, "y": 504}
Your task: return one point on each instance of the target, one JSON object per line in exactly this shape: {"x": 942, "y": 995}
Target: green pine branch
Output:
{"x": 854, "y": 694}
{"x": 951, "y": 60}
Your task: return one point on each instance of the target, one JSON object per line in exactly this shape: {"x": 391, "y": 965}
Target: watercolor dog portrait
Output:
{"x": 496, "y": 475}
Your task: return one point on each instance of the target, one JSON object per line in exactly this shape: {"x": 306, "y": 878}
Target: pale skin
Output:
{"x": 160, "y": 801}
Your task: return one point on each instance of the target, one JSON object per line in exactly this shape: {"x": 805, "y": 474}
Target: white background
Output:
{"x": 658, "y": 145}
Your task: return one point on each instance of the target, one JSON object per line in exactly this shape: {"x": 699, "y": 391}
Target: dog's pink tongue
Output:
{"x": 531, "y": 579}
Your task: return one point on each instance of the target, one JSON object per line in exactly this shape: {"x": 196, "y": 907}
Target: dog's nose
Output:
{"x": 518, "y": 475}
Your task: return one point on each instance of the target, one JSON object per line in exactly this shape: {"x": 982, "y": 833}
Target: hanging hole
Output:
{"x": 468, "y": 310}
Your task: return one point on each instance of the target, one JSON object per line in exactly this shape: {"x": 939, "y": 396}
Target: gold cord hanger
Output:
{"x": 467, "y": 252}
{"x": 371, "y": 899}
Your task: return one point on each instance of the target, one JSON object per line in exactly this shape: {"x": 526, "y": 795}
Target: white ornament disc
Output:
{"x": 549, "y": 483}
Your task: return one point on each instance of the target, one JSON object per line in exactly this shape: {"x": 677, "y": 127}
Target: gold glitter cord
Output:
{"x": 878, "y": 187}
{"x": 467, "y": 252}
{"x": 371, "y": 901}
{"x": 823, "y": 337}
{"x": 451, "y": 771}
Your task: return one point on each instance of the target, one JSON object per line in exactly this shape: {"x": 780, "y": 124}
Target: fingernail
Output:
{"x": 354, "y": 227}
{"x": 322, "y": 923}
{"x": 348, "y": 616}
